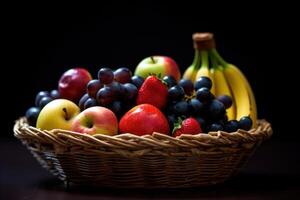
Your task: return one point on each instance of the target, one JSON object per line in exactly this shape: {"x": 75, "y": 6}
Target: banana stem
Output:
{"x": 196, "y": 60}
{"x": 219, "y": 58}
{"x": 204, "y": 58}
{"x": 213, "y": 61}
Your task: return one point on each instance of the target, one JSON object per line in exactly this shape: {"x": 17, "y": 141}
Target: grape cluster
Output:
{"x": 116, "y": 90}
{"x": 42, "y": 98}
{"x": 186, "y": 99}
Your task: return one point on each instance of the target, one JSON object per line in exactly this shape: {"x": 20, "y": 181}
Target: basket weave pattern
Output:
{"x": 150, "y": 161}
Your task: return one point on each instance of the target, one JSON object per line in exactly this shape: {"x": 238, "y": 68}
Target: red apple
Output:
{"x": 72, "y": 84}
{"x": 96, "y": 120}
{"x": 158, "y": 65}
{"x": 144, "y": 119}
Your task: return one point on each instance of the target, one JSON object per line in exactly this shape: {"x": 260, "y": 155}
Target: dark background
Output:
{"x": 40, "y": 42}
{"x": 44, "y": 42}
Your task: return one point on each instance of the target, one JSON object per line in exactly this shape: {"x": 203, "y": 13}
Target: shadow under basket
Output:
{"x": 151, "y": 161}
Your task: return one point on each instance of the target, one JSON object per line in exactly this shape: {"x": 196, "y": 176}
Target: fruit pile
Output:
{"x": 212, "y": 96}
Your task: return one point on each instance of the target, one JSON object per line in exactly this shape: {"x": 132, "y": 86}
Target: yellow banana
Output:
{"x": 239, "y": 91}
{"x": 191, "y": 71}
{"x": 251, "y": 97}
{"x": 222, "y": 88}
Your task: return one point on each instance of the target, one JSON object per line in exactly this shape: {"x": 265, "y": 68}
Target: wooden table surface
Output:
{"x": 272, "y": 173}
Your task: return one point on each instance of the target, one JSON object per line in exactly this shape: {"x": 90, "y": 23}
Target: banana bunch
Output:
{"x": 227, "y": 79}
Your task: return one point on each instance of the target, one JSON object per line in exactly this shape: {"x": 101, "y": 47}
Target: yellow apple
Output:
{"x": 58, "y": 114}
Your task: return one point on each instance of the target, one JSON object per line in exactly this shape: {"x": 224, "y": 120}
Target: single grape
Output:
{"x": 39, "y": 96}
{"x": 196, "y": 106}
{"x": 215, "y": 127}
{"x": 137, "y": 81}
{"x": 216, "y": 110}
{"x": 170, "y": 80}
{"x": 181, "y": 108}
{"x": 90, "y": 102}
{"x": 82, "y": 101}
{"x": 226, "y": 100}
{"x": 204, "y": 95}
{"x": 93, "y": 87}
{"x": 105, "y": 75}
{"x": 105, "y": 96}
{"x": 171, "y": 119}
{"x": 116, "y": 88}
{"x": 202, "y": 123}
{"x": 123, "y": 75}
{"x": 187, "y": 85}
{"x": 55, "y": 94}
{"x": 32, "y": 115}
{"x": 44, "y": 101}
{"x": 117, "y": 108}
{"x": 231, "y": 126}
{"x": 245, "y": 123}
{"x": 175, "y": 93}
{"x": 225, "y": 118}
{"x": 131, "y": 91}
{"x": 203, "y": 81}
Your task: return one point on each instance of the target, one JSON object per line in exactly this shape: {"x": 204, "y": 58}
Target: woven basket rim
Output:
{"x": 127, "y": 141}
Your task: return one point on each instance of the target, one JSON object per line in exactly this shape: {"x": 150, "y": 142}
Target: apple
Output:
{"x": 144, "y": 119}
{"x": 58, "y": 114}
{"x": 96, "y": 120}
{"x": 158, "y": 65}
{"x": 72, "y": 84}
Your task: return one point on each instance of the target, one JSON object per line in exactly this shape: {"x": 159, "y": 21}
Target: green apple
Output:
{"x": 162, "y": 65}
{"x": 58, "y": 114}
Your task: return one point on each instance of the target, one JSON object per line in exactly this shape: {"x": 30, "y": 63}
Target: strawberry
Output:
{"x": 154, "y": 92}
{"x": 187, "y": 126}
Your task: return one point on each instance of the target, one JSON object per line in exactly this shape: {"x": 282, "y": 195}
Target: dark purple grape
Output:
{"x": 44, "y": 101}
{"x": 123, "y": 75}
{"x": 90, "y": 102}
{"x": 196, "y": 106}
{"x": 39, "y": 96}
{"x": 231, "y": 126}
{"x": 203, "y": 81}
{"x": 105, "y": 75}
{"x": 245, "y": 123}
{"x": 216, "y": 110}
{"x": 171, "y": 119}
{"x": 215, "y": 127}
{"x": 93, "y": 87}
{"x": 204, "y": 95}
{"x": 130, "y": 91}
{"x": 116, "y": 88}
{"x": 117, "y": 108}
{"x": 170, "y": 80}
{"x": 105, "y": 96}
{"x": 226, "y": 100}
{"x": 82, "y": 101}
{"x": 137, "y": 81}
{"x": 187, "y": 85}
{"x": 175, "y": 93}
{"x": 202, "y": 123}
{"x": 32, "y": 115}
{"x": 225, "y": 118}
{"x": 181, "y": 108}
{"x": 55, "y": 94}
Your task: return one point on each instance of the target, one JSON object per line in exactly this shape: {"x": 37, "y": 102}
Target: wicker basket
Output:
{"x": 128, "y": 161}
